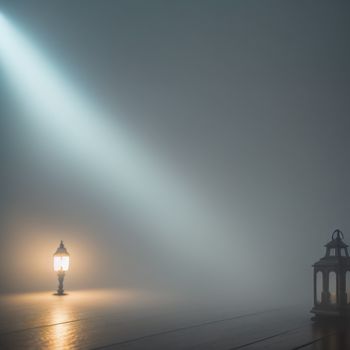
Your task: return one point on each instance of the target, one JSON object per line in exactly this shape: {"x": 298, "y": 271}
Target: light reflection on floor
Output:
{"x": 62, "y": 335}
{"x": 81, "y": 296}
{"x": 61, "y": 322}
{"x": 134, "y": 319}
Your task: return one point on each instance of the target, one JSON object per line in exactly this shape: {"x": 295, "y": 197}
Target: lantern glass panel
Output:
{"x": 348, "y": 286}
{"x": 319, "y": 286}
{"x": 333, "y": 287}
{"x": 61, "y": 263}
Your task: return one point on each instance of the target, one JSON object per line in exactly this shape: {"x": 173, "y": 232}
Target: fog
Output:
{"x": 190, "y": 147}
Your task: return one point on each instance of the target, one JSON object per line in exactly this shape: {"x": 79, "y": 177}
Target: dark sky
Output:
{"x": 247, "y": 100}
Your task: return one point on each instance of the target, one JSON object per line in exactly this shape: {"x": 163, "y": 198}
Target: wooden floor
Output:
{"x": 125, "y": 319}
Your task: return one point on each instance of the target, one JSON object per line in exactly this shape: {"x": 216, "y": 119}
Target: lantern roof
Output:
{"x": 336, "y": 252}
{"x": 61, "y": 250}
{"x": 337, "y": 240}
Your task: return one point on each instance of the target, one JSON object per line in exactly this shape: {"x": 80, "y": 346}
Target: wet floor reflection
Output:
{"x": 47, "y": 321}
{"x": 131, "y": 319}
{"x": 332, "y": 334}
{"x": 63, "y": 334}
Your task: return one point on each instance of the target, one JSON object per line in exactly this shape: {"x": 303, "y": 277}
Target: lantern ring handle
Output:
{"x": 337, "y": 234}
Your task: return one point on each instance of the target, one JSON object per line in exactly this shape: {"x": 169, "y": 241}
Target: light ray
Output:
{"x": 114, "y": 162}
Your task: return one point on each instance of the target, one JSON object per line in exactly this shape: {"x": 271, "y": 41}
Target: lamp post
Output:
{"x": 332, "y": 280}
{"x": 61, "y": 265}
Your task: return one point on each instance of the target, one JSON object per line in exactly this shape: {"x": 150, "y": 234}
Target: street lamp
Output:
{"x": 61, "y": 265}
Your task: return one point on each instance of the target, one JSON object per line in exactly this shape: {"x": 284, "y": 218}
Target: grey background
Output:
{"x": 248, "y": 100}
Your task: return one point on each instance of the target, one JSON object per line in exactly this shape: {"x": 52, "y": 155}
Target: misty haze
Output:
{"x": 193, "y": 157}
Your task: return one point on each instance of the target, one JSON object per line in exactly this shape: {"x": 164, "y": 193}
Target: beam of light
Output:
{"x": 107, "y": 155}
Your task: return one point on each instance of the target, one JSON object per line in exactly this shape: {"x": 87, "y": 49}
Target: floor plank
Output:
{"x": 132, "y": 320}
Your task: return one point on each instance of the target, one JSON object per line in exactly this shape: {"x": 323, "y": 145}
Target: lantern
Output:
{"x": 332, "y": 279}
{"x": 61, "y": 265}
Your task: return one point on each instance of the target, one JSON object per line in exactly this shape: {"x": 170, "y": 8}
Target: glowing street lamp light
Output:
{"x": 61, "y": 265}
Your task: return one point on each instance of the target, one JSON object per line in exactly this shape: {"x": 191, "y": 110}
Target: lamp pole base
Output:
{"x": 60, "y": 290}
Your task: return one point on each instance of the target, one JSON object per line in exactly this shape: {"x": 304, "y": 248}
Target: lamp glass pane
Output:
{"x": 319, "y": 286}
{"x": 61, "y": 263}
{"x": 347, "y": 278}
{"x": 333, "y": 287}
